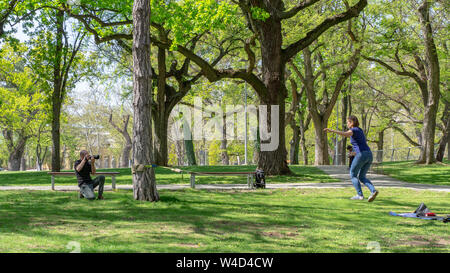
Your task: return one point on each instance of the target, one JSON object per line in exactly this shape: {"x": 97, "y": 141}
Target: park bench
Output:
{"x": 248, "y": 174}
{"x": 112, "y": 174}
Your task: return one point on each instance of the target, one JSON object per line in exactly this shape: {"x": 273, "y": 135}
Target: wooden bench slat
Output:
{"x": 112, "y": 174}
{"x": 73, "y": 173}
{"x": 222, "y": 173}
{"x": 248, "y": 174}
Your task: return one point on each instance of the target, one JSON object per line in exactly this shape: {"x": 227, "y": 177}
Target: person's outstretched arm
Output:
{"x": 349, "y": 133}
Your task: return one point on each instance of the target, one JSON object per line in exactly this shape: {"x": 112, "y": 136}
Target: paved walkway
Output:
{"x": 339, "y": 172}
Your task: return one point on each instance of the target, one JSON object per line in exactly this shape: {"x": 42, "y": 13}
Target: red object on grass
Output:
{"x": 430, "y": 214}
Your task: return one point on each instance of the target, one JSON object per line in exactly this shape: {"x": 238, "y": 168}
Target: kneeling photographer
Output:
{"x": 84, "y": 167}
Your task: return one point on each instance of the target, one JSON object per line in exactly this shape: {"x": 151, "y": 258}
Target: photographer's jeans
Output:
{"x": 87, "y": 190}
{"x": 358, "y": 170}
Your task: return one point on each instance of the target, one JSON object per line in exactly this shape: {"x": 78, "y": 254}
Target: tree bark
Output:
{"x": 433, "y": 72}
{"x": 273, "y": 162}
{"x": 223, "y": 144}
{"x": 40, "y": 156}
{"x": 295, "y": 145}
{"x": 23, "y": 163}
{"x": 344, "y": 114}
{"x": 179, "y": 145}
{"x": 448, "y": 148}
{"x": 189, "y": 145}
{"x": 16, "y": 150}
{"x": 445, "y": 132}
{"x": 380, "y": 146}
{"x": 303, "y": 127}
{"x": 144, "y": 182}
{"x": 14, "y": 162}
{"x": 161, "y": 122}
{"x": 290, "y": 119}
{"x": 57, "y": 93}
{"x": 125, "y": 159}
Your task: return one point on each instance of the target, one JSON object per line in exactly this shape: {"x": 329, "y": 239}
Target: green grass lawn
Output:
{"x": 303, "y": 174}
{"x": 408, "y": 171}
{"x": 300, "y": 220}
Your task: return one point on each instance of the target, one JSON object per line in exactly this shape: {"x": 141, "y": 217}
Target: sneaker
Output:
{"x": 100, "y": 198}
{"x": 372, "y": 196}
{"x": 357, "y": 197}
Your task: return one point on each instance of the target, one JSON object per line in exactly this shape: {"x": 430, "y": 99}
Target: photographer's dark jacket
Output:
{"x": 84, "y": 176}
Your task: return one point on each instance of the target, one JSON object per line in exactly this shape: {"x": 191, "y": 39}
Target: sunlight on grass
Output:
{"x": 408, "y": 171}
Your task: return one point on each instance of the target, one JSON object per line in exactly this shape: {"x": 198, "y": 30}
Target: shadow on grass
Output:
{"x": 194, "y": 220}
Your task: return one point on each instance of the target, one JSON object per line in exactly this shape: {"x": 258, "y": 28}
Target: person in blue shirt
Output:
{"x": 363, "y": 158}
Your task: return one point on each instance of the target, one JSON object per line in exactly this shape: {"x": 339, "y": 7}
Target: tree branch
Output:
{"x": 412, "y": 142}
{"x": 311, "y": 36}
{"x": 293, "y": 11}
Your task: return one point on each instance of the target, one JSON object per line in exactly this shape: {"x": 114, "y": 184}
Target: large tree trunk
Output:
{"x": 161, "y": 116}
{"x": 16, "y": 155}
{"x": 273, "y": 162}
{"x": 433, "y": 78}
{"x": 144, "y": 182}
{"x": 16, "y": 150}
{"x": 319, "y": 119}
{"x": 14, "y": 162}
{"x": 57, "y": 94}
{"x": 321, "y": 146}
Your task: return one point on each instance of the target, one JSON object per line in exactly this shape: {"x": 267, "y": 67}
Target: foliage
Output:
{"x": 22, "y": 106}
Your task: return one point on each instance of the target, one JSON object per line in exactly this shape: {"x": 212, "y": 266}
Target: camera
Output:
{"x": 95, "y": 156}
